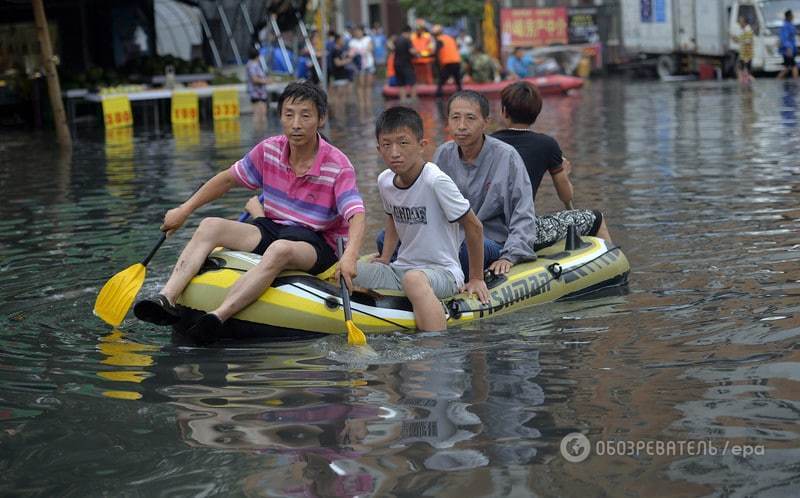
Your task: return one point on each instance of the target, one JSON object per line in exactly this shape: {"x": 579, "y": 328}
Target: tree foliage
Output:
{"x": 445, "y": 12}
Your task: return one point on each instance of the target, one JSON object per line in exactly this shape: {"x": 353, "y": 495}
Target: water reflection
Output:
{"x": 752, "y": 406}
{"x": 227, "y": 133}
{"x": 340, "y": 432}
{"x": 789, "y": 108}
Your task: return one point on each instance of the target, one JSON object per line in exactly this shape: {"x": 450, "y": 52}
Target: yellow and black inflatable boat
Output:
{"x": 302, "y": 305}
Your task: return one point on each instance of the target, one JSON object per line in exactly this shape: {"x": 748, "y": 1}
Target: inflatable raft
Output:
{"x": 302, "y": 305}
{"x": 552, "y": 84}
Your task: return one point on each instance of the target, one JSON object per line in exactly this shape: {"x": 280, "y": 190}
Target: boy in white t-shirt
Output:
{"x": 424, "y": 209}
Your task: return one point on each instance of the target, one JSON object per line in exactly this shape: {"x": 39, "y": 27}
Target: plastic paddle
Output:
{"x": 117, "y": 295}
{"x": 355, "y": 336}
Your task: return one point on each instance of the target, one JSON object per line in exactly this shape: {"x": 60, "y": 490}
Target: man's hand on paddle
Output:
{"x": 174, "y": 219}
{"x": 501, "y": 266}
{"x": 254, "y": 207}
{"x": 346, "y": 268}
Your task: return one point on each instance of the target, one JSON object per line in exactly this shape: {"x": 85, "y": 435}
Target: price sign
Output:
{"x": 185, "y": 108}
{"x": 117, "y": 111}
{"x": 225, "y": 103}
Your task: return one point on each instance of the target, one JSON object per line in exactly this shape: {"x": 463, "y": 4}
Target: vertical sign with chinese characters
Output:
{"x": 185, "y": 108}
{"x": 533, "y": 27}
{"x": 225, "y": 103}
{"x": 653, "y": 10}
{"x": 117, "y": 111}
{"x": 646, "y": 10}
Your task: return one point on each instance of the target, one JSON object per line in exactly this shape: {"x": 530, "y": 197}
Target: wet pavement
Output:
{"x": 689, "y": 385}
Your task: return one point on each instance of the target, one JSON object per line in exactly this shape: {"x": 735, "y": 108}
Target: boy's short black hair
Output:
{"x": 473, "y": 96}
{"x": 394, "y": 118}
{"x": 406, "y": 29}
{"x": 304, "y": 90}
{"x": 522, "y": 102}
{"x": 788, "y": 14}
{"x": 253, "y": 52}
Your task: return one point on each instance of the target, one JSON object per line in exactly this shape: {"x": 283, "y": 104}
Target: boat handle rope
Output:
{"x": 338, "y": 304}
{"x": 455, "y": 308}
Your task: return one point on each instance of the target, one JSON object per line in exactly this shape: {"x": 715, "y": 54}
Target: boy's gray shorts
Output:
{"x": 381, "y": 276}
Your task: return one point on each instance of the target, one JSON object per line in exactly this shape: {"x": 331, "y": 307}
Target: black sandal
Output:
{"x": 156, "y": 310}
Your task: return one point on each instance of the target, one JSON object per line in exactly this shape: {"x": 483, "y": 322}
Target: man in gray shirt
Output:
{"x": 492, "y": 177}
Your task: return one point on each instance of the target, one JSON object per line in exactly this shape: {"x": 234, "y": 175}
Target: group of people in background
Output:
{"x": 787, "y": 48}
{"x": 451, "y": 58}
{"x": 354, "y": 56}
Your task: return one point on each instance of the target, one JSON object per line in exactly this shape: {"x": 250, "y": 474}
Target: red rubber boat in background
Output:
{"x": 552, "y": 84}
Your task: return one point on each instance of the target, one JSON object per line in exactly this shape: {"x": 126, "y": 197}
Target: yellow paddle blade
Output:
{"x": 355, "y": 337}
{"x": 117, "y": 295}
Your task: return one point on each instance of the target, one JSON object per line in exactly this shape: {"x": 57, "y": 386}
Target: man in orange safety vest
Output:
{"x": 448, "y": 58}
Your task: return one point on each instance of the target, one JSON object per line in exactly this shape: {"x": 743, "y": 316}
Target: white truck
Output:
{"x": 677, "y": 36}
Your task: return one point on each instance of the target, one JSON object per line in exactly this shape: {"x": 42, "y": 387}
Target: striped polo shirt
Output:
{"x": 323, "y": 199}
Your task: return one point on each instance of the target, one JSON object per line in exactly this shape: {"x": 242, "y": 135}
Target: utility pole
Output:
{"x": 53, "y": 86}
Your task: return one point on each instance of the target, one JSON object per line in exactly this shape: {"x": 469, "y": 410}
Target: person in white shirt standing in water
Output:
{"x": 362, "y": 50}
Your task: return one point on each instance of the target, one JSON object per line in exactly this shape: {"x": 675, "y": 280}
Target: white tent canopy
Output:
{"x": 178, "y": 28}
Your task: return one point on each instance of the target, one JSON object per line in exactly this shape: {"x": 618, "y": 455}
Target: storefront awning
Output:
{"x": 178, "y": 28}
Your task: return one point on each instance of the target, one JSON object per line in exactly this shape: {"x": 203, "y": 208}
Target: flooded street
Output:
{"x": 700, "y": 183}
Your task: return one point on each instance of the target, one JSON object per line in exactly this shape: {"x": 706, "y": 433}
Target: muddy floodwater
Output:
{"x": 686, "y": 385}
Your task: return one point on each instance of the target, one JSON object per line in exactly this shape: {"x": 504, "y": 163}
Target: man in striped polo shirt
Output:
{"x": 310, "y": 199}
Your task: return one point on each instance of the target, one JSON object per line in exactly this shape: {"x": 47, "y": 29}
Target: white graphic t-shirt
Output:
{"x": 426, "y": 215}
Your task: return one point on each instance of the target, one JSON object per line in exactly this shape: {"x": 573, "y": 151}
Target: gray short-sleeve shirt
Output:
{"x": 426, "y": 215}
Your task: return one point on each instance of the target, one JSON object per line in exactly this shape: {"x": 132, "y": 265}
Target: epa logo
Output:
{"x": 575, "y": 447}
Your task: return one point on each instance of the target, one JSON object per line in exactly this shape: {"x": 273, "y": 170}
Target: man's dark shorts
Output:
{"x": 271, "y": 231}
{"x": 788, "y": 61}
{"x": 404, "y": 75}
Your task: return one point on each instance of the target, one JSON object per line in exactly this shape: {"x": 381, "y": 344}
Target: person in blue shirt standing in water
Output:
{"x": 379, "y": 43}
{"x": 788, "y": 45}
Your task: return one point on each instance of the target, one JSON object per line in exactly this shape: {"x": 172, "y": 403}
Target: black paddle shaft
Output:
{"x": 154, "y": 249}
{"x": 348, "y": 315}
{"x": 163, "y": 237}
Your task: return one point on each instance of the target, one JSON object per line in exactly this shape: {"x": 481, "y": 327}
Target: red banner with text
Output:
{"x": 533, "y": 27}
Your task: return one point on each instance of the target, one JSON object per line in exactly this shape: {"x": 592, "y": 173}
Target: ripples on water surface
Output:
{"x": 700, "y": 185}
